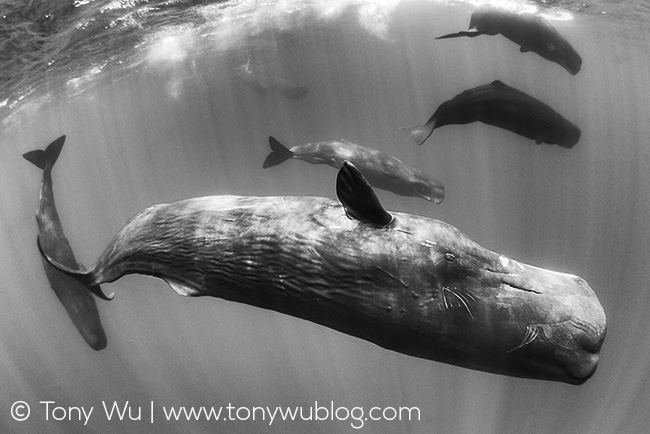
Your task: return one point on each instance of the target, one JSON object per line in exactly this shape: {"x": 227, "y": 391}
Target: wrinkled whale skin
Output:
{"x": 404, "y": 282}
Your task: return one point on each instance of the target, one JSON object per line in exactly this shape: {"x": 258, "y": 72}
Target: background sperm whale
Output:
{"x": 505, "y": 107}
{"x": 382, "y": 171}
{"x": 529, "y": 31}
{"x": 133, "y": 141}
{"x": 75, "y": 297}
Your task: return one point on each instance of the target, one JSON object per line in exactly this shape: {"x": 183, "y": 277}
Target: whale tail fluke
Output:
{"x": 420, "y": 133}
{"x": 279, "y": 153}
{"x": 45, "y": 158}
{"x": 87, "y": 278}
{"x": 468, "y": 33}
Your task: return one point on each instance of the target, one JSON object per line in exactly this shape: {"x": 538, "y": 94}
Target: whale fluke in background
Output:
{"x": 75, "y": 297}
{"x": 279, "y": 154}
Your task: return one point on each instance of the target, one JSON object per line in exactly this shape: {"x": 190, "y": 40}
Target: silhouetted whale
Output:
{"x": 407, "y": 283}
{"x": 505, "y": 107}
{"x": 529, "y": 31}
{"x": 290, "y": 90}
{"x": 247, "y": 74}
{"x": 78, "y": 302}
{"x": 381, "y": 170}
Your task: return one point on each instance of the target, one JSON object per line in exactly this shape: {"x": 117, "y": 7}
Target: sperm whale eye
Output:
{"x": 450, "y": 257}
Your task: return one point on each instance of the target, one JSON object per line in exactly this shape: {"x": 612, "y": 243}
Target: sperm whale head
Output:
{"x": 529, "y": 321}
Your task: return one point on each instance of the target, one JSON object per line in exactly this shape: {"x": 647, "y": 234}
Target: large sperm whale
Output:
{"x": 77, "y": 300}
{"x": 381, "y": 170}
{"x": 529, "y": 31}
{"x": 404, "y": 282}
{"x": 505, "y": 107}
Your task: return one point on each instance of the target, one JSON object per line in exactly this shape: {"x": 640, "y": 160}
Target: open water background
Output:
{"x": 147, "y": 95}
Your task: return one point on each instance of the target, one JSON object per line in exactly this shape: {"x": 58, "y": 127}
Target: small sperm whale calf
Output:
{"x": 75, "y": 297}
{"x": 529, "y": 31}
{"x": 381, "y": 170}
{"x": 404, "y": 282}
{"x": 505, "y": 107}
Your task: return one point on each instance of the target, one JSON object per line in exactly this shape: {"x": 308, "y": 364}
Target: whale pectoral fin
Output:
{"x": 390, "y": 168}
{"x": 389, "y": 174}
{"x": 182, "y": 289}
{"x": 358, "y": 198}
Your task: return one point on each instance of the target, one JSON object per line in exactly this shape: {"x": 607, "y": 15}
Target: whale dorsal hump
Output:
{"x": 498, "y": 83}
{"x": 358, "y": 198}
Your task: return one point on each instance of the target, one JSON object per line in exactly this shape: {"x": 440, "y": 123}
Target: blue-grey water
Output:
{"x": 149, "y": 97}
